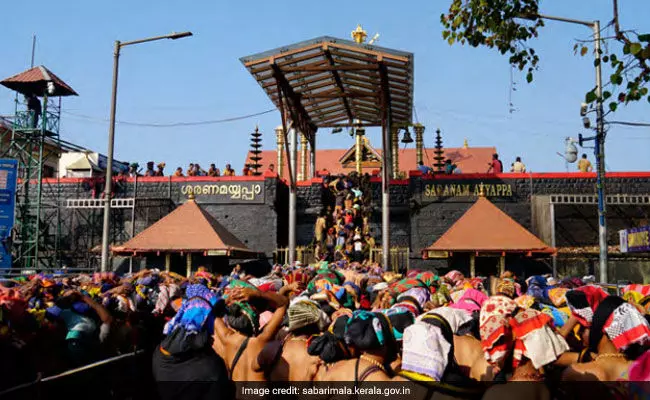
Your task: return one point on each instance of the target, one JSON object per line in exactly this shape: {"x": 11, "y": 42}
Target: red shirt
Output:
{"x": 497, "y": 166}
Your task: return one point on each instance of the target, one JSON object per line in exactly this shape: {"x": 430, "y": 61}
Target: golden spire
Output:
{"x": 481, "y": 189}
{"x": 190, "y": 197}
{"x": 465, "y": 144}
{"x": 359, "y": 35}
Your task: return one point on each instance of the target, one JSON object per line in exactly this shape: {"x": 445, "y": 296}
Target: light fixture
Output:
{"x": 586, "y": 122}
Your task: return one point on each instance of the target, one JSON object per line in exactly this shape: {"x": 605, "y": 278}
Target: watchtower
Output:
{"x": 34, "y": 141}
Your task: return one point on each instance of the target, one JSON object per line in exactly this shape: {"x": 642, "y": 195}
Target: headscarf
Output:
{"x": 623, "y": 324}
{"x": 300, "y": 276}
{"x": 470, "y": 301}
{"x": 456, "y": 318}
{"x": 428, "y": 277}
{"x": 537, "y": 287}
{"x": 405, "y": 284}
{"x": 419, "y": 294}
{"x": 165, "y": 294}
{"x": 526, "y": 301}
{"x": 557, "y": 296}
{"x": 425, "y": 350}
{"x": 495, "y": 324}
{"x": 571, "y": 283}
{"x": 367, "y": 330}
{"x": 400, "y": 319}
{"x": 506, "y": 287}
{"x": 242, "y": 316}
{"x": 304, "y": 313}
{"x": 583, "y": 302}
{"x": 196, "y": 313}
{"x": 454, "y": 277}
{"x": 643, "y": 290}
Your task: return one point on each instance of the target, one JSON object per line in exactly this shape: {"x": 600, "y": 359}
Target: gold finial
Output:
{"x": 481, "y": 190}
{"x": 465, "y": 144}
{"x": 359, "y": 35}
{"x": 190, "y": 197}
{"x": 257, "y": 128}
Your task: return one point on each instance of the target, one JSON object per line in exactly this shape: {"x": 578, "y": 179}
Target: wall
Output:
{"x": 422, "y": 208}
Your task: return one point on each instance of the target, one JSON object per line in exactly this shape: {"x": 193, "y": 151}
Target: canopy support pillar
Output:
{"x": 312, "y": 158}
{"x": 472, "y": 265}
{"x": 293, "y": 143}
{"x": 502, "y": 265}
{"x": 387, "y": 121}
{"x": 303, "y": 157}
{"x": 188, "y": 266}
{"x": 168, "y": 262}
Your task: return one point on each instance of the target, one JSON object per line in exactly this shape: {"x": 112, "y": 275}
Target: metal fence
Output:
{"x": 304, "y": 254}
{"x": 398, "y": 258}
{"x": 122, "y": 377}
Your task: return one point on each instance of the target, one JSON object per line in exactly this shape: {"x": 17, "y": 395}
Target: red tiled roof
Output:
{"x": 470, "y": 160}
{"x": 188, "y": 228}
{"x": 34, "y": 81}
{"x": 484, "y": 227}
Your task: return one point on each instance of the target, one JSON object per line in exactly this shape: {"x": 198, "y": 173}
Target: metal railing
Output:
{"x": 9, "y": 273}
{"x": 304, "y": 254}
{"x": 111, "y": 374}
{"x": 398, "y": 258}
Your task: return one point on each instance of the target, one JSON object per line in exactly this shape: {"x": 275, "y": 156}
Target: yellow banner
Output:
{"x": 468, "y": 190}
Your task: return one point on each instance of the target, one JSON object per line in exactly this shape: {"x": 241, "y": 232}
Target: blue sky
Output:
{"x": 463, "y": 91}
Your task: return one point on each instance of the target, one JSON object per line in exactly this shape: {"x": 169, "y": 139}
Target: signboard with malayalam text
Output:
{"x": 226, "y": 192}
{"x": 635, "y": 240}
{"x": 8, "y": 180}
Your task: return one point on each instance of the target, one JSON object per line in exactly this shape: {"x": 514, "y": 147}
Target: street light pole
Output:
{"x": 599, "y": 148}
{"x": 111, "y": 140}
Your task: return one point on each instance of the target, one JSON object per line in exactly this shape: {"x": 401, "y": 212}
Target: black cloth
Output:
{"x": 194, "y": 375}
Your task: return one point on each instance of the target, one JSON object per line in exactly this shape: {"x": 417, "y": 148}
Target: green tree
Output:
{"x": 509, "y": 25}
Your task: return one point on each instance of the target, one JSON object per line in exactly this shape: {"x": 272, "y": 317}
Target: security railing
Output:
{"x": 398, "y": 258}
{"x": 117, "y": 377}
{"x": 9, "y": 273}
{"x": 304, "y": 254}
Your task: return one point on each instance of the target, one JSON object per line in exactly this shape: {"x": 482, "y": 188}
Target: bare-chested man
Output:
{"x": 239, "y": 344}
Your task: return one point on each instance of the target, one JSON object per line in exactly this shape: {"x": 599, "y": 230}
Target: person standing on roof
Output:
{"x": 518, "y": 167}
{"x": 584, "y": 165}
{"x": 496, "y": 166}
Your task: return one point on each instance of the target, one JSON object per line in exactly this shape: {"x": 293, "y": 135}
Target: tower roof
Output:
{"x": 34, "y": 81}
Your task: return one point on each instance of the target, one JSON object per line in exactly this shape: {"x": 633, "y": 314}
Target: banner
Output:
{"x": 8, "y": 175}
{"x": 635, "y": 240}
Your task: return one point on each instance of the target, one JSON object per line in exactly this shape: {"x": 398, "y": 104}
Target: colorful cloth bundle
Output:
{"x": 405, "y": 284}
{"x": 558, "y": 296}
{"x": 470, "y": 301}
{"x": 536, "y": 339}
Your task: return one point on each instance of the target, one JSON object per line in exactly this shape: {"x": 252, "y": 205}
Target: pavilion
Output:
{"x": 333, "y": 83}
{"x": 487, "y": 235}
{"x": 188, "y": 231}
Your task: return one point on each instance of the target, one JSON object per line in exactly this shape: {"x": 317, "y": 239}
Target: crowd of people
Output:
{"x": 342, "y": 229}
{"x": 343, "y": 321}
{"x": 193, "y": 169}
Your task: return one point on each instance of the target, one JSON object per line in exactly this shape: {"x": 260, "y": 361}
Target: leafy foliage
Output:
{"x": 509, "y": 25}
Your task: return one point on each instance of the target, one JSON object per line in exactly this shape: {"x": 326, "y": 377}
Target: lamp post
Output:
{"x": 111, "y": 138}
{"x": 599, "y": 148}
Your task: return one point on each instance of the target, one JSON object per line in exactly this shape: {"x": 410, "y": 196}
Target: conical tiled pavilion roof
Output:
{"x": 34, "y": 81}
{"x": 484, "y": 227}
{"x": 190, "y": 229}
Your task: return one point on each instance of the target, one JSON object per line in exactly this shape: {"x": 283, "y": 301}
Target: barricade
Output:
{"x": 126, "y": 376}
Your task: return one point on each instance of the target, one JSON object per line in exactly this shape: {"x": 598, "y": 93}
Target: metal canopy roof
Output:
{"x": 330, "y": 82}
